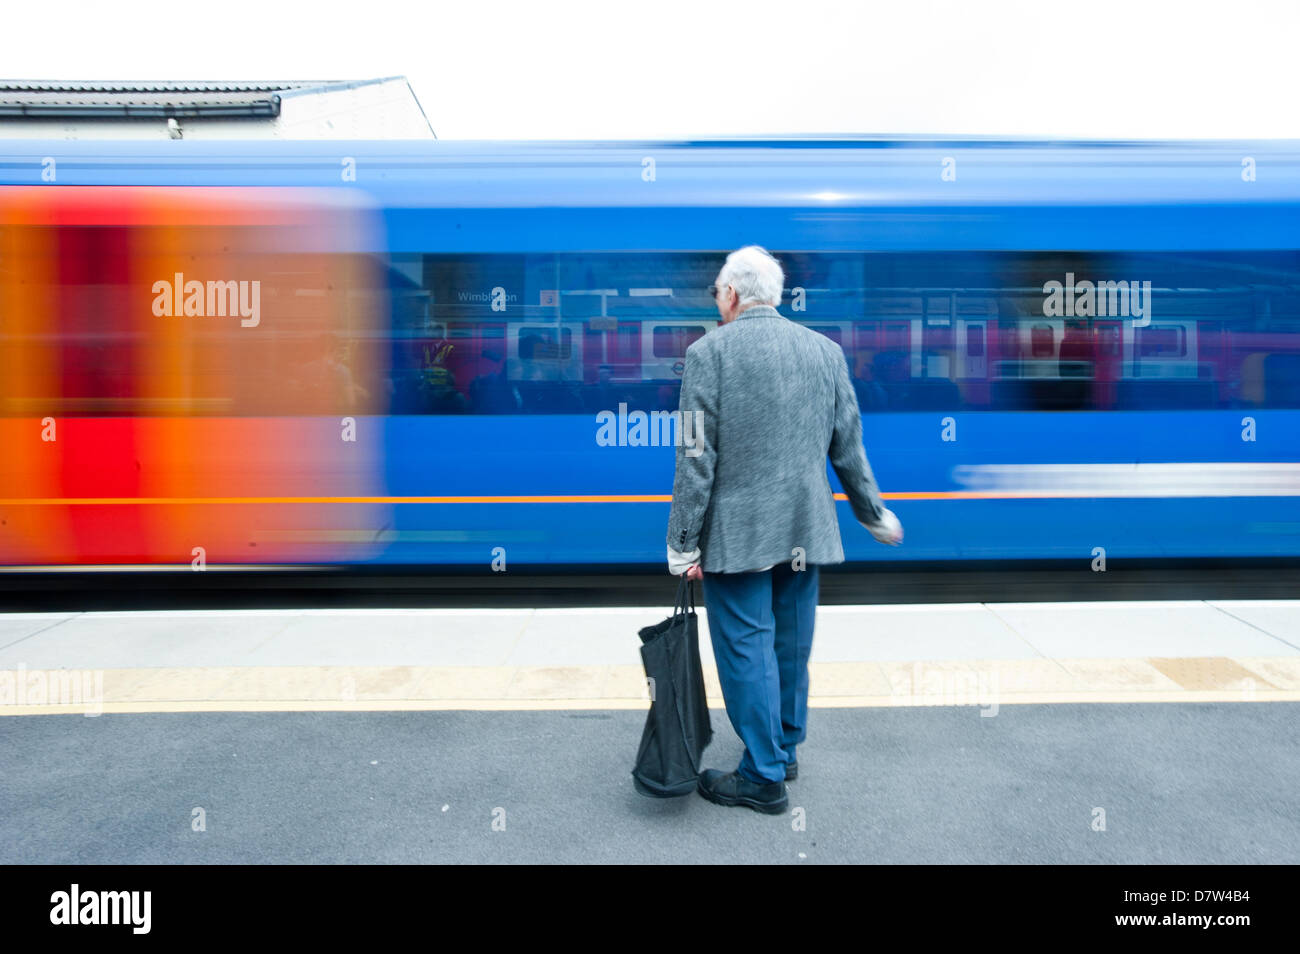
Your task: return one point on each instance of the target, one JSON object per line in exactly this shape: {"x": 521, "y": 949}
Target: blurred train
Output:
{"x": 470, "y": 353}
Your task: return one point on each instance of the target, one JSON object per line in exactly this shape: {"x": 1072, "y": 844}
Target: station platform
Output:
{"x": 943, "y": 654}
{"x": 1129, "y": 733}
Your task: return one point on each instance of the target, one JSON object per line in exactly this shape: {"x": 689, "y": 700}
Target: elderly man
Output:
{"x": 753, "y": 514}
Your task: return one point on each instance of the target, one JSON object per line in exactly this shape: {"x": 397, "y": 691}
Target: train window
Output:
{"x": 468, "y": 322}
{"x": 671, "y": 341}
{"x": 1042, "y": 341}
{"x": 1162, "y": 341}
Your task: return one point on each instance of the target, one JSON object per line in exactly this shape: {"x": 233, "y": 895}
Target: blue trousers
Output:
{"x": 761, "y": 625}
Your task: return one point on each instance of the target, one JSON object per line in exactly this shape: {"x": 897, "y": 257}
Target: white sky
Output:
{"x": 665, "y": 68}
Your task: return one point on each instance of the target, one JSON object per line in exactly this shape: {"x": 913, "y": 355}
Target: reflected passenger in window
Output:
{"x": 542, "y": 386}
{"x": 605, "y": 394}
{"x": 871, "y": 396}
{"x": 493, "y": 393}
{"x": 439, "y": 392}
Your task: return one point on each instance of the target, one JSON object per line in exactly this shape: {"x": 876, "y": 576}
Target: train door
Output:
{"x": 973, "y": 319}
{"x": 972, "y": 347}
{"x": 937, "y": 338}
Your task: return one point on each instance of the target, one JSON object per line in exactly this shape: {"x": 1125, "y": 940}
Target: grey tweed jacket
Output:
{"x": 774, "y": 401}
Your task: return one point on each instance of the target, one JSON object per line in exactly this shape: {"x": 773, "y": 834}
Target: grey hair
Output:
{"x": 757, "y": 277}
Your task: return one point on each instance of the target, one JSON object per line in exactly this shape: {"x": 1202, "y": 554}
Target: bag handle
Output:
{"x": 685, "y": 592}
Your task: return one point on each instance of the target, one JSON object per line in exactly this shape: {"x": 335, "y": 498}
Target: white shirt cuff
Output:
{"x": 679, "y": 563}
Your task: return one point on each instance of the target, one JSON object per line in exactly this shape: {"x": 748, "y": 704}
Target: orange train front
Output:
{"x": 186, "y": 375}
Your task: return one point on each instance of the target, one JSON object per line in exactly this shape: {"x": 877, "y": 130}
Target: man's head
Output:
{"x": 750, "y": 277}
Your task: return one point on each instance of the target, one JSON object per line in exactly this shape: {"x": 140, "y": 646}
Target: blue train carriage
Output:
{"x": 1061, "y": 350}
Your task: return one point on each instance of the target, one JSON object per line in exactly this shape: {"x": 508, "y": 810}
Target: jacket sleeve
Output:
{"x": 697, "y": 450}
{"x": 847, "y": 454}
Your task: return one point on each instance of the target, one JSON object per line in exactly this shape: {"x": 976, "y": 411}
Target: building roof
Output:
{"x": 143, "y": 100}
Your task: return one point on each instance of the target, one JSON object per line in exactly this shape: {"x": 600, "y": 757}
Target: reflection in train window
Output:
{"x": 1008, "y": 338}
{"x": 627, "y": 345}
{"x": 1108, "y": 341}
{"x": 1042, "y": 341}
{"x": 938, "y": 337}
{"x": 1162, "y": 341}
{"x": 545, "y": 344}
{"x": 671, "y": 341}
{"x": 830, "y": 331}
{"x": 920, "y": 330}
{"x": 898, "y": 336}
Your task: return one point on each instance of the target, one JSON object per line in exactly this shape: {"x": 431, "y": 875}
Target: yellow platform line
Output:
{"x": 983, "y": 684}
{"x": 603, "y": 705}
{"x": 547, "y": 705}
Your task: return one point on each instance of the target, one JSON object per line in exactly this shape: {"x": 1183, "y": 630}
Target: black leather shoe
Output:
{"x": 732, "y": 788}
{"x": 791, "y": 771}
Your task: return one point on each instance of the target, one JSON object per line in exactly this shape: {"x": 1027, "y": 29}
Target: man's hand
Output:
{"x": 889, "y": 531}
{"x": 688, "y": 563}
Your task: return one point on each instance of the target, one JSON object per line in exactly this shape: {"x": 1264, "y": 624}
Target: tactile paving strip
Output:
{"x": 1199, "y": 673}
{"x": 986, "y": 684}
